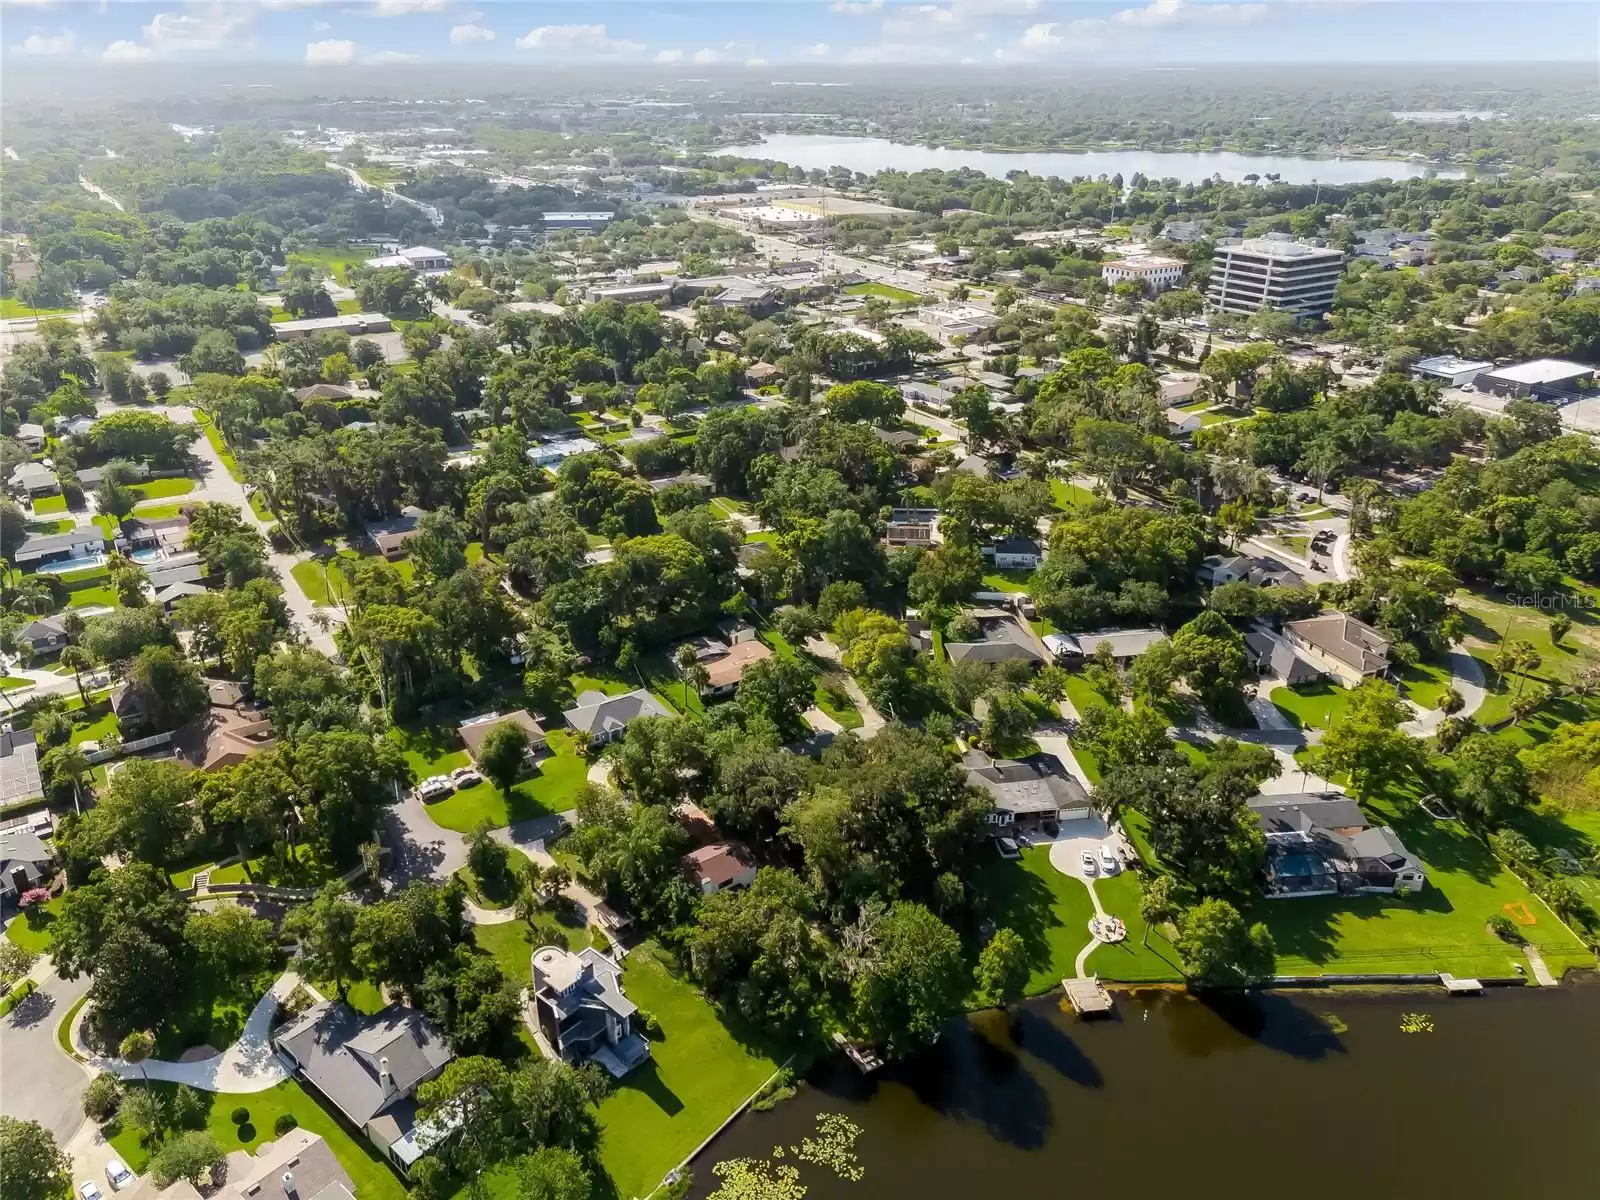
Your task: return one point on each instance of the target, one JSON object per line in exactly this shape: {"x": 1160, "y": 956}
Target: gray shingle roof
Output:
{"x": 596, "y": 716}
{"x": 339, "y": 1052}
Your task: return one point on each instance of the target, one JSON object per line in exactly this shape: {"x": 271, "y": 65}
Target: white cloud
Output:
{"x": 461, "y": 35}
{"x": 819, "y": 50}
{"x": 1181, "y": 12}
{"x": 289, "y": 5}
{"x": 855, "y": 8}
{"x": 124, "y": 51}
{"x": 917, "y": 19}
{"x": 755, "y": 62}
{"x": 404, "y": 8}
{"x": 1058, "y": 35}
{"x": 321, "y": 26}
{"x": 330, "y": 53}
{"x": 892, "y": 52}
{"x": 203, "y": 27}
{"x": 388, "y": 58}
{"x": 580, "y": 39}
{"x": 707, "y": 55}
{"x": 669, "y": 56}
{"x": 49, "y": 47}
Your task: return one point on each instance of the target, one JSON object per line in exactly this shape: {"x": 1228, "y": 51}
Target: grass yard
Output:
{"x": 1311, "y": 705}
{"x": 1425, "y": 684}
{"x": 214, "y": 436}
{"x": 1048, "y": 910}
{"x": 1489, "y": 620}
{"x": 45, "y": 506}
{"x": 88, "y": 597}
{"x": 372, "y": 1177}
{"x": 1295, "y": 543}
{"x": 161, "y": 489}
{"x": 32, "y": 931}
{"x": 11, "y": 308}
{"x": 1068, "y": 496}
{"x": 699, "y": 1071}
{"x": 96, "y": 729}
{"x": 65, "y": 525}
{"x": 512, "y": 943}
{"x": 899, "y": 295}
{"x": 336, "y": 260}
{"x": 1135, "y": 959}
{"x": 1008, "y": 581}
{"x": 554, "y": 788}
{"x": 1441, "y": 929}
{"x": 322, "y": 582}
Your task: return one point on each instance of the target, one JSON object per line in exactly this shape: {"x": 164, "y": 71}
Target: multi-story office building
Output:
{"x": 1275, "y": 272}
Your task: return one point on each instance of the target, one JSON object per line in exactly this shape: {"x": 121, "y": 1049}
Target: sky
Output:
{"x": 697, "y": 34}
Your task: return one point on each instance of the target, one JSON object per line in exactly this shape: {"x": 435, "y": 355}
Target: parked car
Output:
{"x": 118, "y": 1175}
{"x": 465, "y": 777}
{"x": 1108, "y": 860}
{"x": 89, "y": 1190}
{"x": 1089, "y": 867}
{"x": 436, "y": 787}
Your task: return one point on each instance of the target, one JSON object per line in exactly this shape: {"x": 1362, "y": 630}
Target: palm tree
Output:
{"x": 80, "y": 660}
{"x": 1157, "y": 905}
{"x": 687, "y": 662}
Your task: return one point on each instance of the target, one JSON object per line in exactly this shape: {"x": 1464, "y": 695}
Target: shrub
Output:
{"x": 1504, "y": 928}
{"x": 283, "y": 1124}
{"x": 101, "y": 1097}
{"x": 239, "y": 1115}
{"x": 648, "y": 1025}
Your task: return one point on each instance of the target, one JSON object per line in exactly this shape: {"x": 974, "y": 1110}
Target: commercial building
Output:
{"x": 1153, "y": 274}
{"x": 355, "y": 324}
{"x": 1449, "y": 370}
{"x": 577, "y": 220}
{"x": 772, "y": 219}
{"x": 949, "y": 321}
{"x": 1550, "y": 379}
{"x": 1274, "y": 272}
{"x": 415, "y": 258}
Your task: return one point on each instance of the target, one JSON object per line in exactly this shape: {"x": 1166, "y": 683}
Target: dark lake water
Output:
{"x": 1254, "y": 1097}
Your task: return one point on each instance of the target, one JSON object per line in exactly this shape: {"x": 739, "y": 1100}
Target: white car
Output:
{"x": 118, "y": 1175}
{"x": 89, "y": 1190}
{"x": 1089, "y": 867}
{"x": 464, "y": 777}
{"x": 435, "y": 788}
{"x": 1108, "y": 861}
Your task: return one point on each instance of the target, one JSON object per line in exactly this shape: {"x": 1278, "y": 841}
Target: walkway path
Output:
{"x": 1541, "y": 973}
{"x": 1466, "y": 676}
{"x": 821, "y": 721}
{"x": 249, "y": 1065}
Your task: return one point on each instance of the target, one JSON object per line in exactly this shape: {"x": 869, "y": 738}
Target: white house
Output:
{"x": 1013, "y": 554}
{"x": 1153, "y": 274}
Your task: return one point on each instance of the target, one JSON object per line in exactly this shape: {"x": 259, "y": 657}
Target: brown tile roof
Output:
{"x": 474, "y": 732}
{"x": 720, "y": 863}
{"x": 731, "y": 666}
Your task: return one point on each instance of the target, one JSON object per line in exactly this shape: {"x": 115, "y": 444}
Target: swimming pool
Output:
{"x": 72, "y": 564}
{"x": 153, "y": 554}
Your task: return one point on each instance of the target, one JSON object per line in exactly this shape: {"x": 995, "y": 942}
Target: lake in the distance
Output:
{"x": 1243, "y": 1098}
{"x": 869, "y": 155}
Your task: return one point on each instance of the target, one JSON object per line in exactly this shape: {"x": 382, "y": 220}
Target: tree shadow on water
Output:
{"x": 969, "y": 1076}
{"x": 1275, "y": 1021}
{"x": 1047, "y": 1041}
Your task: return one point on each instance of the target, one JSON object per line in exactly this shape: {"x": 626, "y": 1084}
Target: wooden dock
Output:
{"x": 865, "y": 1058}
{"x": 1088, "y": 995}
{"x": 1460, "y": 987}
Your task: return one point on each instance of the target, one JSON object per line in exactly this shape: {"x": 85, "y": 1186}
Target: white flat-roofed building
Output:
{"x": 355, "y": 324}
{"x": 632, "y": 293}
{"x": 1543, "y": 378}
{"x": 578, "y": 220}
{"x": 779, "y": 220}
{"x": 956, "y": 320}
{"x": 1275, "y": 272}
{"x": 1449, "y": 370}
{"x": 1153, "y": 274}
{"x": 417, "y": 258}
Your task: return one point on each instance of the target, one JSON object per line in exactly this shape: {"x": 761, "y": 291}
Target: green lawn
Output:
{"x": 554, "y": 788}
{"x": 87, "y": 597}
{"x": 1068, "y": 496}
{"x": 900, "y": 295}
{"x": 1489, "y": 620}
{"x": 214, "y": 436}
{"x": 210, "y": 1011}
{"x": 1295, "y": 543}
{"x": 1136, "y": 959}
{"x": 33, "y": 932}
{"x": 1008, "y": 581}
{"x": 161, "y": 489}
{"x": 1425, "y": 683}
{"x": 11, "y": 307}
{"x": 65, "y": 525}
{"x": 699, "y": 1071}
{"x": 335, "y": 260}
{"x": 323, "y": 583}
{"x": 372, "y": 1177}
{"x": 14, "y": 682}
{"x": 1441, "y": 929}
{"x": 157, "y": 512}
{"x": 96, "y": 729}
{"x": 1311, "y": 705}
{"x": 43, "y": 506}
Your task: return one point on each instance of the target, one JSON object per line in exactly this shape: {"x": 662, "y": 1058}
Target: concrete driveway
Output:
{"x": 1076, "y": 837}
{"x": 37, "y": 1081}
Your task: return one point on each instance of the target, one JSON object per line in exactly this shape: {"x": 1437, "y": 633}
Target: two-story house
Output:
{"x": 579, "y": 1007}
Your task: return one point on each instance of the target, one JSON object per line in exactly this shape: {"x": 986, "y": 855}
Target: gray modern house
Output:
{"x": 601, "y": 718}
{"x": 580, "y": 1009}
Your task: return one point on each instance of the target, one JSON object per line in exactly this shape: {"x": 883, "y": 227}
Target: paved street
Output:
{"x": 37, "y": 1081}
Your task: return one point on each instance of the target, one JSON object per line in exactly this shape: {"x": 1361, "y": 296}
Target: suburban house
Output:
{"x": 25, "y": 861}
{"x": 1182, "y": 424}
{"x": 1275, "y": 657}
{"x": 1028, "y": 793}
{"x": 322, "y": 391}
{"x": 725, "y": 661}
{"x": 229, "y": 732}
{"x": 911, "y": 526}
{"x": 1338, "y": 644}
{"x": 600, "y": 718}
{"x": 1004, "y": 640}
{"x": 927, "y": 395}
{"x": 760, "y": 373}
{"x": 582, "y": 1012}
{"x": 898, "y": 439}
{"x": 169, "y": 595}
{"x": 475, "y": 731}
{"x": 31, "y": 435}
{"x": 1124, "y": 645}
{"x": 299, "y": 1166}
{"x": 1321, "y": 844}
{"x": 369, "y": 1068}
{"x": 19, "y": 766}
{"x": 390, "y": 537}
{"x": 553, "y": 453}
{"x": 702, "y": 482}
{"x": 30, "y": 480}
{"x": 45, "y": 636}
{"x": 1013, "y": 554}
{"x": 1215, "y": 570}
{"x": 719, "y": 866}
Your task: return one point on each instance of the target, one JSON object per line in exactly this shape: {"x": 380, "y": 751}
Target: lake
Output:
{"x": 1238, "y": 1098}
{"x": 870, "y": 155}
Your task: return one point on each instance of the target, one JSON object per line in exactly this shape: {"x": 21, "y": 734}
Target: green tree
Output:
{"x": 908, "y": 978}
{"x": 1367, "y": 743}
{"x": 32, "y": 1166}
{"x": 135, "y": 1048}
{"x": 503, "y": 755}
{"x": 1008, "y": 721}
{"x": 553, "y": 1173}
{"x": 231, "y": 942}
{"x": 193, "y": 1156}
{"x": 1217, "y": 947}
{"x": 1491, "y": 780}
{"x": 1003, "y": 970}
{"x": 326, "y": 931}
{"x": 1157, "y": 903}
{"x": 147, "y": 810}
